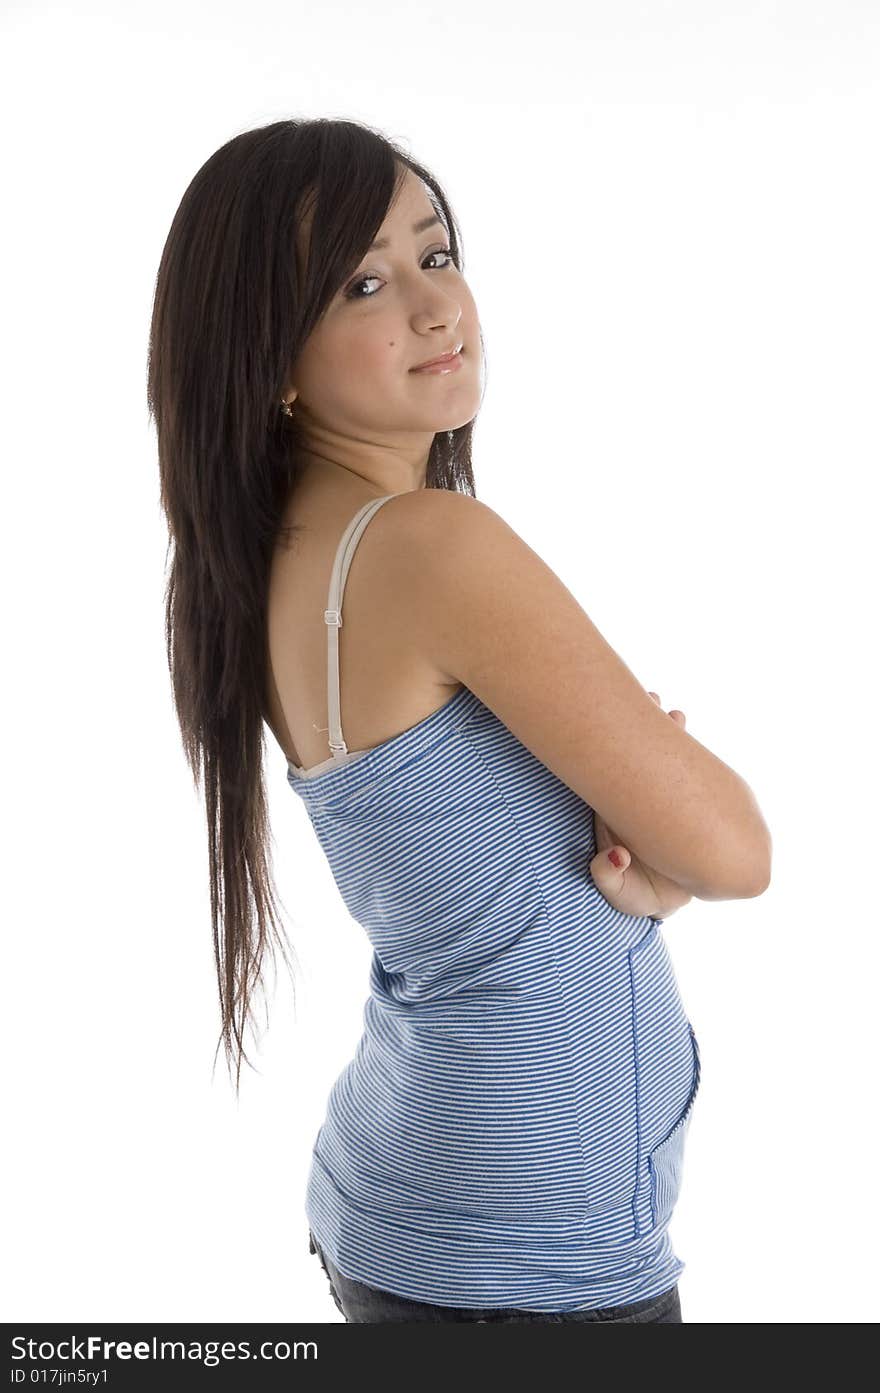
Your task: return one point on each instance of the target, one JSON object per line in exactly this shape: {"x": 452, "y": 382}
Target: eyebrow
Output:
{"x": 417, "y": 228}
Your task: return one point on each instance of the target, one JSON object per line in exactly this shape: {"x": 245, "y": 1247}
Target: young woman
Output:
{"x": 507, "y": 1142}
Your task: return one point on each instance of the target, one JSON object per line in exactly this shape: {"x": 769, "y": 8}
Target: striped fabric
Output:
{"x": 511, "y": 1129}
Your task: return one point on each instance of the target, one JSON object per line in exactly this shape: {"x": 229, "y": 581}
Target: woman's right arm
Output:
{"x": 491, "y": 614}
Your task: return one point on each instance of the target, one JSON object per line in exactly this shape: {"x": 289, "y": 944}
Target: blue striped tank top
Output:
{"x": 511, "y": 1129}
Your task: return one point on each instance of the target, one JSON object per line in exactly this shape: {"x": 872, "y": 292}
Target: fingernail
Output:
{"x": 614, "y": 858}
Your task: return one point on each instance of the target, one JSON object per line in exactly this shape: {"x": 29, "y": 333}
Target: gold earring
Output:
{"x": 286, "y": 408}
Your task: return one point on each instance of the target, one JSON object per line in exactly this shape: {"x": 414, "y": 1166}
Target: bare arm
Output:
{"x": 492, "y": 614}
{"x": 625, "y": 881}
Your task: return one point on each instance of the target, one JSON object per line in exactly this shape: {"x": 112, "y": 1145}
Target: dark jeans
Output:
{"x": 361, "y": 1304}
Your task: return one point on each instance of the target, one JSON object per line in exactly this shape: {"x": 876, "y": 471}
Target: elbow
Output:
{"x": 750, "y": 871}
{"x": 761, "y": 855}
{"x": 760, "y": 871}
{"x": 763, "y": 882}
{"x": 758, "y": 887}
{"x": 743, "y": 878}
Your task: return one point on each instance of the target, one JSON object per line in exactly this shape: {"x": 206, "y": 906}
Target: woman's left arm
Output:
{"x": 627, "y": 883}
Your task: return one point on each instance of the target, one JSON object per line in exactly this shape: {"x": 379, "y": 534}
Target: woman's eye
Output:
{"x": 352, "y": 292}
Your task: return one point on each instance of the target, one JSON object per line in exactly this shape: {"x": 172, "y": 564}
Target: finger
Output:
{"x": 606, "y": 879}
{"x": 678, "y": 716}
{"x": 605, "y": 872}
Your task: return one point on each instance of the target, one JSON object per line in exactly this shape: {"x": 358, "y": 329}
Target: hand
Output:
{"x": 633, "y": 887}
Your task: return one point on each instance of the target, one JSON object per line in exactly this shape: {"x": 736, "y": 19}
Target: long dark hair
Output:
{"x": 233, "y": 306}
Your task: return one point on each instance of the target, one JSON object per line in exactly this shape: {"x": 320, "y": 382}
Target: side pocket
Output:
{"x": 666, "y": 1161}
{"x": 667, "y": 1071}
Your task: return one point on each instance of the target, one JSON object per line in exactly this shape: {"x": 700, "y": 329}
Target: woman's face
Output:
{"x": 406, "y": 302}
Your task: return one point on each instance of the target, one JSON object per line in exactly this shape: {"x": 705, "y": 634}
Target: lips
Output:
{"x": 443, "y": 358}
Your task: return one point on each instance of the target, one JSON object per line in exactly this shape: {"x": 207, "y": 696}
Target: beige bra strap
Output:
{"x": 333, "y": 614}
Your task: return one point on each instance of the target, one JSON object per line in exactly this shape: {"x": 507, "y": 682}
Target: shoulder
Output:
{"x": 474, "y": 594}
{"x": 457, "y": 554}
{"x": 484, "y": 609}
{"x": 437, "y": 505}
{"x": 441, "y": 531}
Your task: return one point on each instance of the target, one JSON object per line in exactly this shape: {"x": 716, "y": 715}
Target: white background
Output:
{"x": 670, "y": 223}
